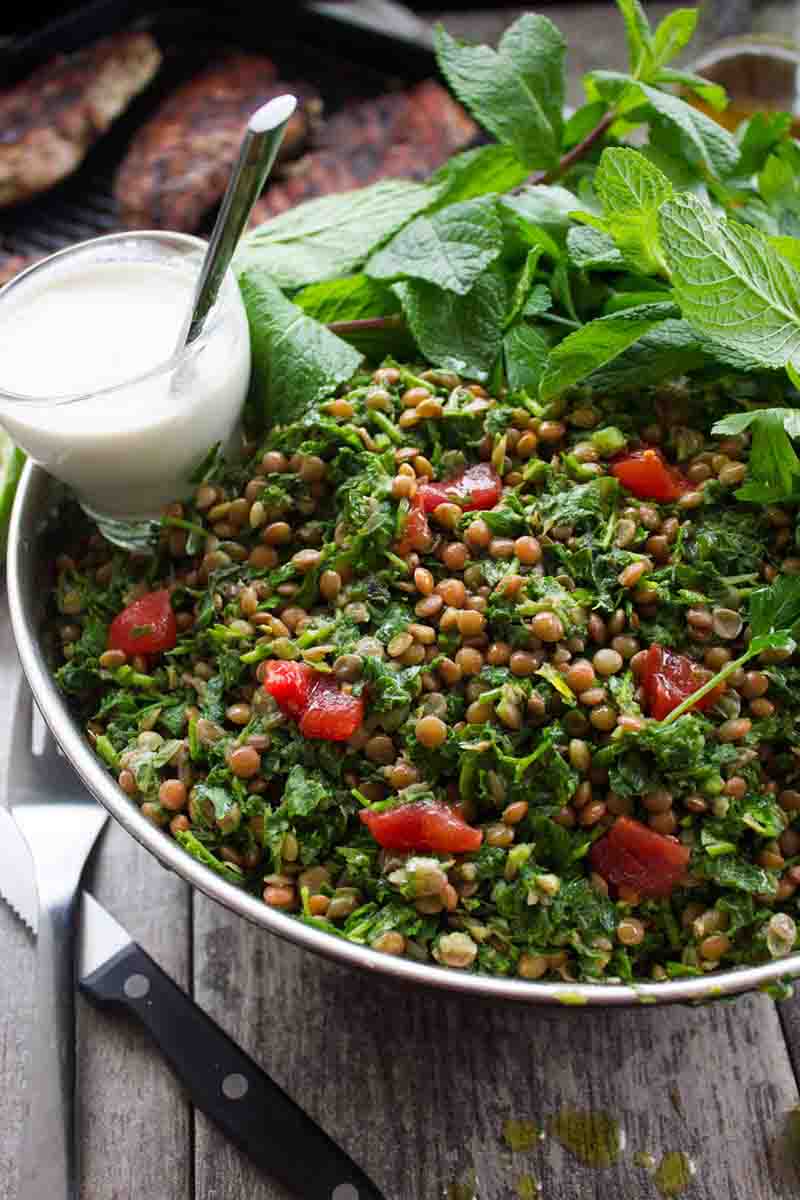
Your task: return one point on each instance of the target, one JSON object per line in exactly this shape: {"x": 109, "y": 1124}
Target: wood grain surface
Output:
{"x": 415, "y": 1086}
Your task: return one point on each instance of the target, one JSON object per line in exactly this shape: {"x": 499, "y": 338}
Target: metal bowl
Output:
{"x": 28, "y": 581}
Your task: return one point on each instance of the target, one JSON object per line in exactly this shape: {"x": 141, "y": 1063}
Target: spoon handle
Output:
{"x": 260, "y": 145}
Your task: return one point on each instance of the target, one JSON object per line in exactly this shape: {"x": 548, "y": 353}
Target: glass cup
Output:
{"x": 759, "y": 72}
{"x": 131, "y": 448}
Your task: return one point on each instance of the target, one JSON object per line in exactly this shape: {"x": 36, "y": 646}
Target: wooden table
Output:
{"x": 416, "y": 1086}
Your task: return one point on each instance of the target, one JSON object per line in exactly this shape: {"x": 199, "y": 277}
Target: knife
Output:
{"x": 17, "y": 880}
{"x": 115, "y": 972}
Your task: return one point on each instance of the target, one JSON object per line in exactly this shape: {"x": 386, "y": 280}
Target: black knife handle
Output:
{"x": 226, "y": 1084}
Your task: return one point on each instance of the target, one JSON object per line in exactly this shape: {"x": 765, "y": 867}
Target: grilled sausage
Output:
{"x": 178, "y": 164}
{"x": 50, "y": 120}
{"x": 400, "y": 135}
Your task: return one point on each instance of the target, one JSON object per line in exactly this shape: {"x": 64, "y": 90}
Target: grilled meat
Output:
{"x": 402, "y": 135}
{"x": 50, "y": 120}
{"x": 178, "y": 164}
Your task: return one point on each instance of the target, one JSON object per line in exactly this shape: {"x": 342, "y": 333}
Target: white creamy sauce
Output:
{"x": 101, "y": 325}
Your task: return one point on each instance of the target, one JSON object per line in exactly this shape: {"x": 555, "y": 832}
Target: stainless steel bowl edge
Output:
{"x": 26, "y": 598}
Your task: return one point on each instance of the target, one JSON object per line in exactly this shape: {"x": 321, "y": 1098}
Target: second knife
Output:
{"x": 115, "y": 972}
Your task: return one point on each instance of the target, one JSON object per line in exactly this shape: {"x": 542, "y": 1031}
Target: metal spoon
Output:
{"x": 260, "y": 144}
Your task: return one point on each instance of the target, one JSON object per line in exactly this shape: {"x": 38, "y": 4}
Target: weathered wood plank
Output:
{"x": 417, "y": 1086}
{"x": 135, "y": 1121}
{"x": 789, "y": 1012}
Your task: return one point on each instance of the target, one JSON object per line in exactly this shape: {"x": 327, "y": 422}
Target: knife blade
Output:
{"x": 227, "y": 1085}
{"x": 17, "y": 879}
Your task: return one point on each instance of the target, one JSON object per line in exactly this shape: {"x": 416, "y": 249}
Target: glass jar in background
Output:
{"x": 753, "y": 50}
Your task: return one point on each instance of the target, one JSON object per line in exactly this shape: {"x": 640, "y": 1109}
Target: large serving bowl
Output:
{"x": 29, "y": 574}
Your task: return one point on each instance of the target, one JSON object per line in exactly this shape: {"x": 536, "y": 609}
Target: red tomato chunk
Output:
{"x": 331, "y": 714}
{"x": 147, "y": 626}
{"x": 649, "y": 476}
{"x": 313, "y": 700}
{"x": 476, "y": 488}
{"x": 632, "y": 855}
{"x": 670, "y": 678}
{"x": 417, "y": 531}
{"x": 290, "y": 684}
{"x": 422, "y": 826}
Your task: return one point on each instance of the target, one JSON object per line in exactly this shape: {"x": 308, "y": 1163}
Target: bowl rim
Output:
{"x": 27, "y": 521}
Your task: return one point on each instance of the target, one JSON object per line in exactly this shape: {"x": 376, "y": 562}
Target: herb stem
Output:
{"x": 555, "y": 320}
{"x": 190, "y": 526}
{"x": 342, "y": 328}
{"x": 578, "y": 151}
{"x": 389, "y": 428}
{"x": 713, "y": 682}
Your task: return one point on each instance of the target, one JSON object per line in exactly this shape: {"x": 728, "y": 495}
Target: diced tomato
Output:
{"x": 632, "y": 855}
{"x": 147, "y": 626}
{"x": 670, "y": 678}
{"x": 425, "y": 825}
{"x": 649, "y": 476}
{"x": 290, "y": 684}
{"x": 417, "y": 531}
{"x": 476, "y": 488}
{"x": 313, "y": 700}
{"x": 331, "y": 714}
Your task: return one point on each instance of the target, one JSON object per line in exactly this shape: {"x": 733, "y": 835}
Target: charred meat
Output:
{"x": 402, "y": 135}
{"x": 178, "y": 164}
{"x": 49, "y": 122}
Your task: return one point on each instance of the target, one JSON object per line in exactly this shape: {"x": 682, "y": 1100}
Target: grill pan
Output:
{"x": 342, "y": 61}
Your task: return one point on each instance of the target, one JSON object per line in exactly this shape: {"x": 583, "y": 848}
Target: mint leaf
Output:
{"x": 788, "y": 248}
{"x": 598, "y": 343}
{"x": 638, "y": 36}
{"x": 333, "y": 235}
{"x": 774, "y": 468}
{"x": 516, "y": 91}
{"x": 478, "y": 172}
{"x": 731, "y": 284}
{"x": 670, "y": 349}
{"x": 524, "y": 284}
{"x": 538, "y": 302}
{"x": 460, "y": 333}
{"x": 632, "y": 190}
{"x": 548, "y": 209}
{"x": 537, "y": 49}
{"x": 779, "y": 185}
{"x": 355, "y": 298}
{"x": 591, "y": 249}
{"x": 736, "y": 423}
{"x": 525, "y": 353}
{"x": 351, "y": 298}
{"x": 762, "y": 134}
{"x": 703, "y": 141}
{"x": 776, "y": 609}
{"x": 673, "y": 34}
{"x": 296, "y": 361}
{"x": 712, "y": 93}
{"x": 451, "y": 248}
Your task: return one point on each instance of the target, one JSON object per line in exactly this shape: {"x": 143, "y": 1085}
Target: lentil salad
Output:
{"x": 490, "y": 660}
{"x": 482, "y": 612}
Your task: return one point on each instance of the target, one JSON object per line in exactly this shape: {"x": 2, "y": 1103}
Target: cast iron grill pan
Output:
{"x": 341, "y": 62}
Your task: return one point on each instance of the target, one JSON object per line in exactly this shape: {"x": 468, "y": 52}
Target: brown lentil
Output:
{"x": 244, "y": 762}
